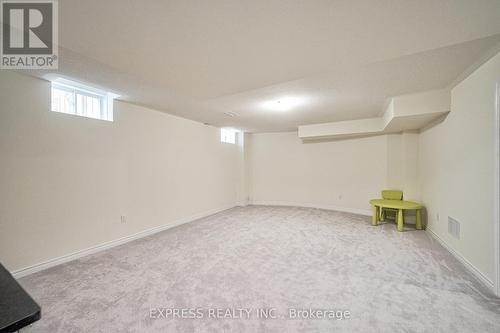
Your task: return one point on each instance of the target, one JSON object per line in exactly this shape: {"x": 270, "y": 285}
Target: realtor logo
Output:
{"x": 29, "y": 34}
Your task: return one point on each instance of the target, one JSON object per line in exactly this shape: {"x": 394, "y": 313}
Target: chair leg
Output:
{"x": 400, "y": 220}
{"x": 375, "y": 215}
{"x": 419, "y": 220}
{"x": 382, "y": 214}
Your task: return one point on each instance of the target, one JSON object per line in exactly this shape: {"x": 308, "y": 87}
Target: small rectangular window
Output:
{"x": 74, "y": 98}
{"x": 228, "y": 135}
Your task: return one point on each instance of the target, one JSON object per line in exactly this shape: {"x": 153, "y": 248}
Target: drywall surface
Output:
{"x": 66, "y": 180}
{"x": 403, "y": 113}
{"x": 341, "y": 174}
{"x": 403, "y": 164}
{"x": 457, "y": 168}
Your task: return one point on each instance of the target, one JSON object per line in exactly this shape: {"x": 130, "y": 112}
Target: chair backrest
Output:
{"x": 392, "y": 195}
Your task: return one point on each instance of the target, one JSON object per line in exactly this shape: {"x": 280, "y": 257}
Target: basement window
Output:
{"x": 79, "y": 100}
{"x": 228, "y": 135}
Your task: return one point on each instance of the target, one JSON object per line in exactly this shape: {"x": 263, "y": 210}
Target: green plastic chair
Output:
{"x": 393, "y": 201}
{"x": 390, "y": 195}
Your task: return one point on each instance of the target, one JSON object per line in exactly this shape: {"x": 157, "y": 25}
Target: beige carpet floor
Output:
{"x": 279, "y": 259}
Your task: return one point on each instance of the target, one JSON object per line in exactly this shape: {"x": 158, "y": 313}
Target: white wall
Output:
{"x": 337, "y": 174}
{"x": 457, "y": 168}
{"x": 341, "y": 174}
{"x": 66, "y": 180}
{"x": 403, "y": 164}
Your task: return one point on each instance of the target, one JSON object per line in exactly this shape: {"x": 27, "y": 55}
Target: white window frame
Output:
{"x": 229, "y": 135}
{"x": 105, "y": 99}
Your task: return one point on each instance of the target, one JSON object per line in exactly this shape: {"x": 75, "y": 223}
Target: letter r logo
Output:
{"x": 27, "y": 27}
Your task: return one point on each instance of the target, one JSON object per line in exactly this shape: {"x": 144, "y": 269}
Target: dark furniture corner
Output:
{"x": 17, "y": 308}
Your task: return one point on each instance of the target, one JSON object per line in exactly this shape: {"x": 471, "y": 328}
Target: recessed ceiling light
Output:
{"x": 284, "y": 103}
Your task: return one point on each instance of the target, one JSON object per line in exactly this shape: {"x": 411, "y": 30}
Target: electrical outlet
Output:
{"x": 123, "y": 219}
{"x": 437, "y": 216}
{"x": 340, "y": 196}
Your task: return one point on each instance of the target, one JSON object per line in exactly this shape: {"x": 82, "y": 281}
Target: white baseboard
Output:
{"x": 104, "y": 246}
{"x": 468, "y": 265}
{"x": 366, "y": 212}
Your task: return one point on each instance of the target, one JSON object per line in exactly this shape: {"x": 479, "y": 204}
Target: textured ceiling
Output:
{"x": 201, "y": 59}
